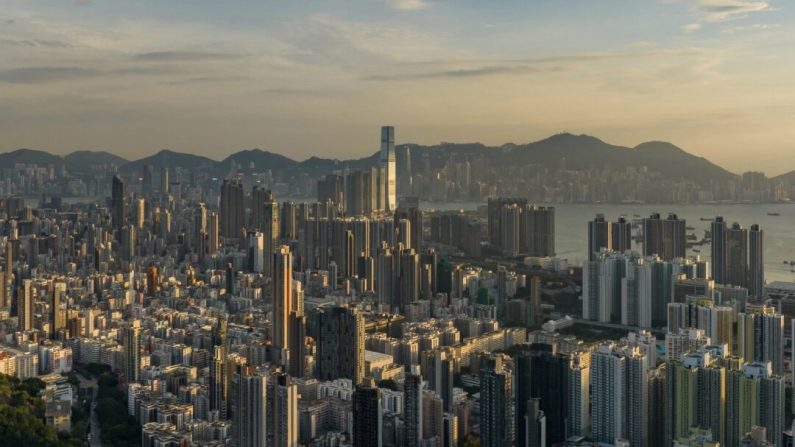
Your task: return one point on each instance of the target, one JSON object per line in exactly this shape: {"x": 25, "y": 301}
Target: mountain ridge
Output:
{"x": 574, "y": 152}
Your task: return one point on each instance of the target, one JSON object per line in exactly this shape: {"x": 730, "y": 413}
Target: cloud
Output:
{"x": 722, "y": 10}
{"x": 37, "y": 75}
{"x": 184, "y": 56}
{"x": 466, "y": 72}
{"x": 409, "y": 5}
{"x": 691, "y": 27}
{"x": 83, "y": 2}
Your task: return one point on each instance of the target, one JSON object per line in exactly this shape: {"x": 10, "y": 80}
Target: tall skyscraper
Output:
{"x": 249, "y": 415}
{"x": 665, "y": 238}
{"x": 718, "y": 250}
{"x": 388, "y": 164}
{"x": 756, "y": 262}
{"x": 284, "y": 411}
{"x": 57, "y": 313}
{"x": 25, "y": 306}
{"x": 218, "y": 385}
{"x": 132, "y": 352}
{"x": 541, "y": 373}
{"x": 282, "y": 296}
{"x": 340, "y": 344}
{"x": 118, "y": 204}
{"x": 495, "y": 395}
{"x": 164, "y": 183}
{"x": 412, "y": 413}
{"x": 232, "y": 209}
{"x": 736, "y": 256}
{"x": 367, "y": 417}
{"x": 760, "y": 336}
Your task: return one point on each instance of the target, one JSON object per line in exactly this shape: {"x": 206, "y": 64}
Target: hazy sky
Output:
{"x": 716, "y": 77}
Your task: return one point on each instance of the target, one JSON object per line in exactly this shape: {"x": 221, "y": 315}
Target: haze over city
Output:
{"x": 315, "y": 78}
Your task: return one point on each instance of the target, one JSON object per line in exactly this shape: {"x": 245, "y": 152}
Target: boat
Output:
{"x": 706, "y": 219}
{"x": 695, "y": 250}
{"x": 773, "y": 214}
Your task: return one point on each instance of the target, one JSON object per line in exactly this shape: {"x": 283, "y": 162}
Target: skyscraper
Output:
{"x": 736, "y": 244}
{"x": 495, "y": 394}
{"x": 284, "y": 411}
{"x": 232, "y": 210}
{"x": 541, "y": 373}
{"x": 412, "y": 413}
{"x": 388, "y": 164}
{"x": 756, "y": 262}
{"x": 282, "y": 296}
{"x": 57, "y": 314}
{"x": 718, "y": 250}
{"x": 118, "y": 204}
{"x": 249, "y": 415}
{"x": 367, "y": 417}
{"x": 340, "y": 344}
{"x": 665, "y": 238}
{"x": 25, "y": 306}
{"x": 132, "y": 352}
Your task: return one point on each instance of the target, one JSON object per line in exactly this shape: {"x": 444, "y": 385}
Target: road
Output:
{"x": 95, "y": 439}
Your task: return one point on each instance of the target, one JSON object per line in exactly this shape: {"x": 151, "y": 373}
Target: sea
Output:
{"x": 777, "y": 221}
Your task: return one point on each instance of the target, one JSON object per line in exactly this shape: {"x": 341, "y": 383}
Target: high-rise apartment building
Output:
{"x": 389, "y": 165}
{"x": 232, "y": 210}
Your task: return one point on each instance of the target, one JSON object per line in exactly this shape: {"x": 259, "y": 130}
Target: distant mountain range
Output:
{"x": 576, "y": 151}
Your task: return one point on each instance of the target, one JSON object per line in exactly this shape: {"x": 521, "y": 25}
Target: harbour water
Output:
{"x": 571, "y": 221}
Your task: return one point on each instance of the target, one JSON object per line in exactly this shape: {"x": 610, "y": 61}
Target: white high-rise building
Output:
{"x": 389, "y": 166}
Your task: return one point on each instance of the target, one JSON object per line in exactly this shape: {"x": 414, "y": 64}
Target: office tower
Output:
{"x": 132, "y": 352}
{"x": 284, "y": 410}
{"x": 578, "y": 382}
{"x": 249, "y": 408}
{"x": 495, "y": 395}
{"x": 213, "y": 233}
{"x": 57, "y": 313}
{"x": 281, "y": 289}
{"x": 231, "y": 209}
{"x": 541, "y": 373}
{"x": 760, "y": 337}
{"x": 118, "y": 204}
{"x": 25, "y": 306}
{"x": 619, "y": 398}
{"x": 412, "y": 413}
{"x": 388, "y": 164}
{"x": 736, "y": 256}
{"x": 665, "y": 238}
{"x": 164, "y": 183}
{"x": 255, "y": 248}
{"x": 756, "y": 262}
{"x": 718, "y": 250}
{"x": 367, "y": 417}
{"x": 754, "y": 397}
{"x": 340, "y": 344}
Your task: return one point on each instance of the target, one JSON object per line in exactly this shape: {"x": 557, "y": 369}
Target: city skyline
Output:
{"x": 299, "y": 80}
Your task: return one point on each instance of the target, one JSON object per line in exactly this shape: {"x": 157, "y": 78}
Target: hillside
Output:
{"x": 575, "y": 152}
